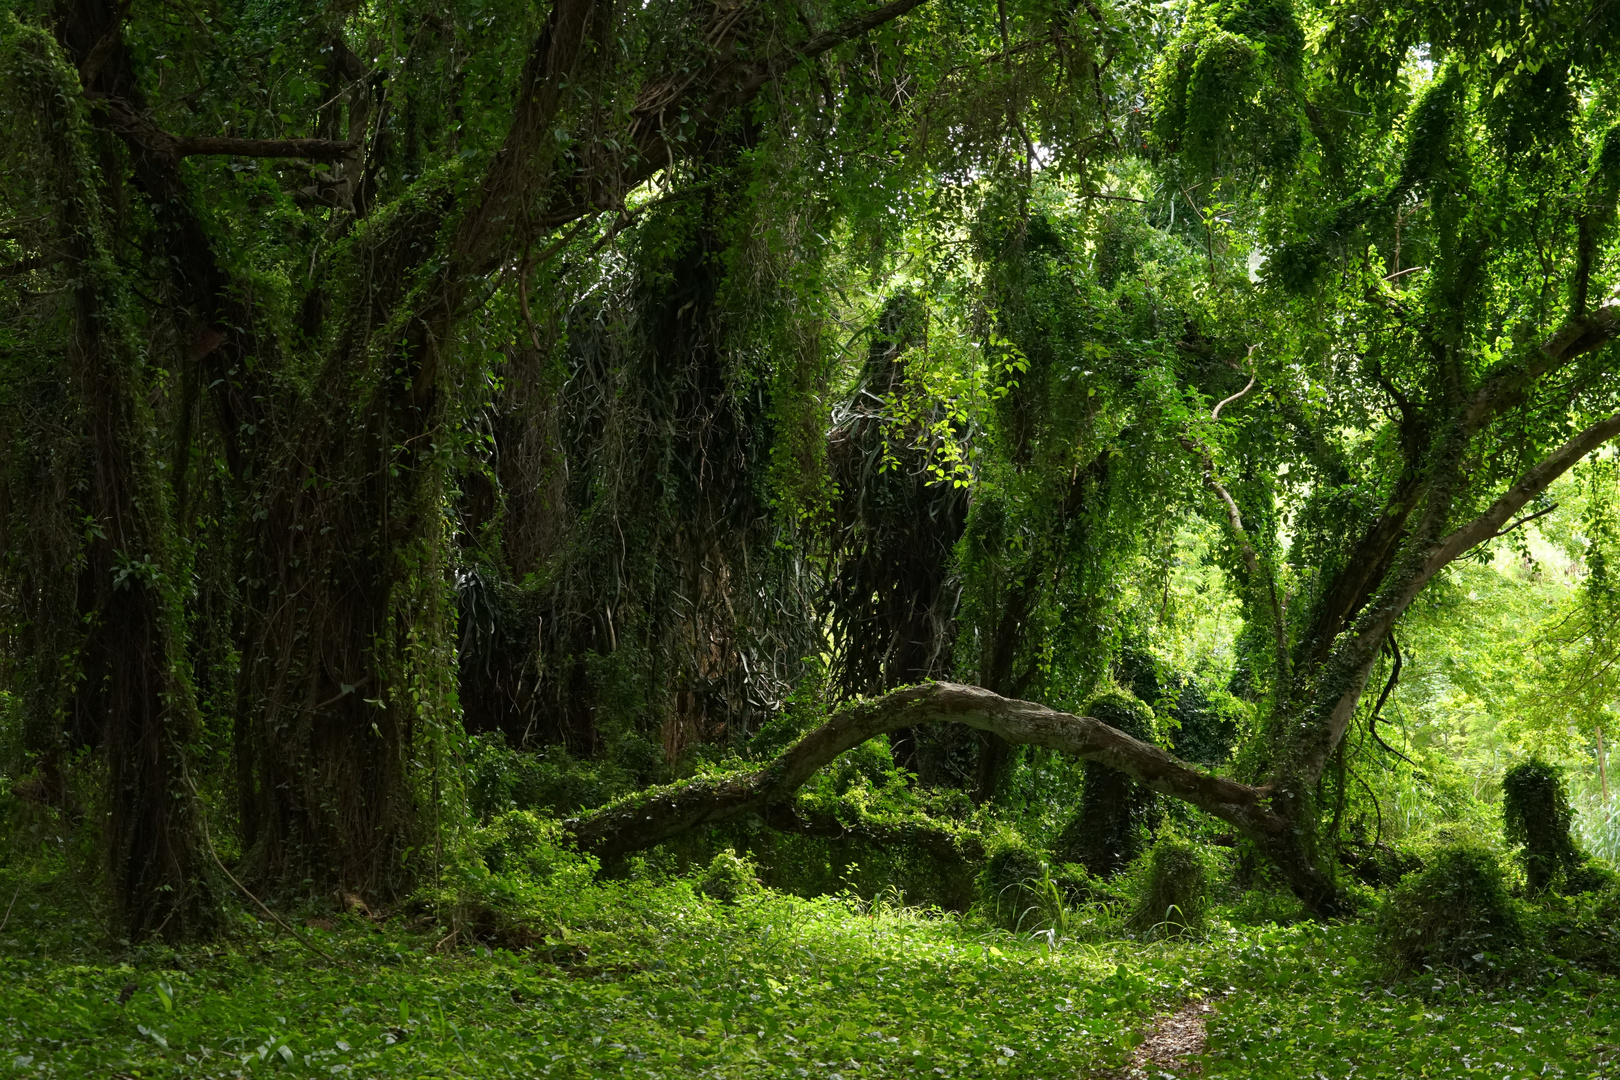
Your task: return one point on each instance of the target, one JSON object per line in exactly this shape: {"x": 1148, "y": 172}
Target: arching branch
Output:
{"x": 1354, "y": 658}
{"x": 653, "y": 816}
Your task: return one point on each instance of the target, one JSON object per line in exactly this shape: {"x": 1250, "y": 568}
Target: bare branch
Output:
{"x": 104, "y": 46}
{"x": 1378, "y": 706}
{"x": 136, "y": 126}
{"x": 1215, "y": 413}
{"x": 1521, "y": 521}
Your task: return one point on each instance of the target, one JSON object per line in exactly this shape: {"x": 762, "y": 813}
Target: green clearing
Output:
{"x": 642, "y": 979}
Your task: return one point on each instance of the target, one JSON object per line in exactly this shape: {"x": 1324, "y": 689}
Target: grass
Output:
{"x": 1309, "y": 1002}
{"x": 651, "y": 979}
{"x": 639, "y": 980}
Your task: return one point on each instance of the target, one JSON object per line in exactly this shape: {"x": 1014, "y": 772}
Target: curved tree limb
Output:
{"x": 650, "y": 817}
{"x": 659, "y": 814}
{"x": 1354, "y": 657}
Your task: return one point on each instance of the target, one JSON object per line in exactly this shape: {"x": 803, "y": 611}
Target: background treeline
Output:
{"x": 413, "y": 414}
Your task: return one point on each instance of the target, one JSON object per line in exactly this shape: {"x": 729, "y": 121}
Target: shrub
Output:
{"x": 1010, "y": 884}
{"x": 1115, "y": 811}
{"x": 1536, "y": 816}
{"x": 1585, "y": 928}
{"x": 729, "y": 878}
{"x": 1456, "y": 912}
{"x": 550, "y": 780}
{"x": 1592, "y": 876}
{"x": 1379, "y": 866}
{"x": 522, "y": 842}
{"x": 1174, "y": 891}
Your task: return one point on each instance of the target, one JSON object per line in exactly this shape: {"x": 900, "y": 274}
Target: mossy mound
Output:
{"x": 1174, "y": 891}
{"x": 729, "y": 878}
{"x": 1455, "y": 913}
{"x": 1010, "y": 886}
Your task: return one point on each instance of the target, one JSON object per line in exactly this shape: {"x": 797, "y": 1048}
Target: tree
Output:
{"x": 1401, "y": 421}
{"x": 435, "y": 369}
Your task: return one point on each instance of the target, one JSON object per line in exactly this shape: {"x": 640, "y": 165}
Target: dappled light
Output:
{"x": 938, "y": 538}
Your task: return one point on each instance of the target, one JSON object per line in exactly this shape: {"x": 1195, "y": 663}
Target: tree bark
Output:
{"x": 141, "y": 706}
{"x": 353, "y": 565}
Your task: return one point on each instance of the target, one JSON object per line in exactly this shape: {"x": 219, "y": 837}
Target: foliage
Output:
{"x": 1454, "y": 913}
{"x": 642, "y": 979}
{"x": 1536, "y": 817}
{"x": 1312, "y": 1000}
{"x": 553, "y": 781}
{"x": 1010, "y": 885}
{"x": 728, "y": 878}
{"x": 1173, "y": 890}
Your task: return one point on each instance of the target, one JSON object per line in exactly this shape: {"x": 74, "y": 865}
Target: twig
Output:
{"x": 9, "y": 906}
{"x": 1521, "y": 521}
{"x": 1403, "y": 273}
{"x": 302, "y": 940}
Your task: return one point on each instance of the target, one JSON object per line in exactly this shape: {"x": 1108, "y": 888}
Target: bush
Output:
{"x": 1107, "y": 833}
{"x": 522, "y": 842}
{"x": 1008, "y": 885}
{"x": 550, "y": 780}
{"x": 1174, "y": 891}
{"x": 1536, "y": 815}
{"x": 729, "y": 878}
{"x": 1584, "y": 929}
{"x": 1456, "y": 912}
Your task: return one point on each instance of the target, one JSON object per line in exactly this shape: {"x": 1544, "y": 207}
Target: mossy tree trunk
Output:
{"x": 135, "y": 698}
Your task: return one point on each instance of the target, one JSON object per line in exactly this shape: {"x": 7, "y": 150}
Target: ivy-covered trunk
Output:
{"x": 133, "y": 696}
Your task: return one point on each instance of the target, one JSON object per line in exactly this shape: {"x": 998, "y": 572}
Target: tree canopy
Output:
{"x": 681, "y": 396}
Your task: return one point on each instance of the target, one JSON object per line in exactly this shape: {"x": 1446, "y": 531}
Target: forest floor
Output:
{"x": 644, "y": 979}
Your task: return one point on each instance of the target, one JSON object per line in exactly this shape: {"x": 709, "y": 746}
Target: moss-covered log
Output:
{"x": 659, "y": 814}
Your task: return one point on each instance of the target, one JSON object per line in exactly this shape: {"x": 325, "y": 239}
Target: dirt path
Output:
{"x": 1173, "y": 1045}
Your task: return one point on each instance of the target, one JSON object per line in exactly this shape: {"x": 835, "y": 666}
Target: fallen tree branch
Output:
{"x": 656, "y": 815}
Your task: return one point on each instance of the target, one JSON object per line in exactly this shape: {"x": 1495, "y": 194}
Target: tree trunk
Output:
{"x": 141, "y": 705}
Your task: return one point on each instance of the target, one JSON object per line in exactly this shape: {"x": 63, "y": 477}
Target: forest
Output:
{"x": 738, "y": 538}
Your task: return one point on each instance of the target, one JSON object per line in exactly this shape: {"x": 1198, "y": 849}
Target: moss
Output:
{"x": 1174, "y": 891}
{"x": 729, "y": 878}
{"x": 1456, "y": 913}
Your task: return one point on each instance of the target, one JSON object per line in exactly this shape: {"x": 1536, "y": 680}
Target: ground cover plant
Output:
{"x": 938, "y": 537}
